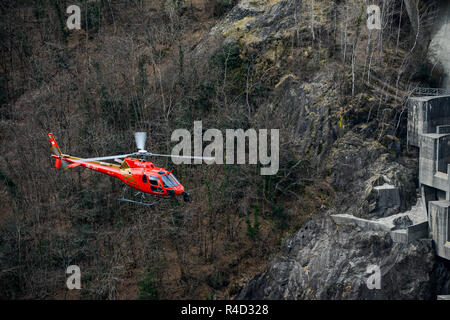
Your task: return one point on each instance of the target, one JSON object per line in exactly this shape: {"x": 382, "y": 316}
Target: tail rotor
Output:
{"x": 57, "y": 154}
{"x": 55, "y": 148}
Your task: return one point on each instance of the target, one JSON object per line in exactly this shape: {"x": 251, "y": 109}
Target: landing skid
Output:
{"x": 139, "y": 202}
{"x": 137, "y": 194}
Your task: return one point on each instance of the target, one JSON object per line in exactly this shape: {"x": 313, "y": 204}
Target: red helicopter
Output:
{"x": 134, "y": 170}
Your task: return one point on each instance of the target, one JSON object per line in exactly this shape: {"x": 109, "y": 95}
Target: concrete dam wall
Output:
{"x": 428, "y": 129}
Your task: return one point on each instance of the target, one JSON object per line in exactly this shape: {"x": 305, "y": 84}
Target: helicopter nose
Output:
{"x": 179, "y": 189}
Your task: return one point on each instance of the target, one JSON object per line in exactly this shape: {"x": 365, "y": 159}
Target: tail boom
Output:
{"x": 66, "y": 161}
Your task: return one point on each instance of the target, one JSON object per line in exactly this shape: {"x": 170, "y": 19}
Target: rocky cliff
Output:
{"x": 322, "y": 261}
{"x": 357, "y": 153}
{"x": 326, "y": 261}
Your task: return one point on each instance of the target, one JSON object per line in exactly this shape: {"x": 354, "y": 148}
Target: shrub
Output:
{"x": 147, "y": 288}
{"x": 253, "y": 230}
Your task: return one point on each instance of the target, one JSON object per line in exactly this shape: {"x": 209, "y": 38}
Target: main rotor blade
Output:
{"x": 140, "y": 138}
{"x": 184, "y": 157}
{"x": 104, "y": 158}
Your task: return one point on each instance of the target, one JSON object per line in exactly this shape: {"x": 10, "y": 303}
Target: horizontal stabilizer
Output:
{"x": 73, "y": 165}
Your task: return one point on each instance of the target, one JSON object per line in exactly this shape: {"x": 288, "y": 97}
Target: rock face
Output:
{"x": 402, "y": 222}
{"x": 326, "y": 261}
{"x": 258, "y": 22}
{"x": 305, "y": 114}
{"x": 359, "y": 166}
{"x": 322, "y": 261}
{"x": 362, "y": 163}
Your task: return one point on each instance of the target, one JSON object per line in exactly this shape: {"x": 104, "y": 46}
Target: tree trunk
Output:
{"x": 413, "y": 13}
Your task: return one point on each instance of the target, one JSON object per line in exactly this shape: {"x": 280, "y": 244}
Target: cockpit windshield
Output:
{"x": 169, "y": 180}
{"x": 173, "y": 177}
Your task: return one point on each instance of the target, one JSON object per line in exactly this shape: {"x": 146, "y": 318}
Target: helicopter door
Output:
{"x": 154, "y": 184}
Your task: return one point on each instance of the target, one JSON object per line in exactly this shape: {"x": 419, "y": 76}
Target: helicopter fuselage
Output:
{"x": 138, "y": 174}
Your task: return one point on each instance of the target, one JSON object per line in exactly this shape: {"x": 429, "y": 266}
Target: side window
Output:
{"x": 144, "y": 178}
{"x": 156, "y": 189}
{"x": 153, "y": 180}
{"x": 154, "y": 184}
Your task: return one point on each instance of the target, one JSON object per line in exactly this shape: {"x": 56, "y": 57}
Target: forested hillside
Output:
{"x": 310, "y": 68}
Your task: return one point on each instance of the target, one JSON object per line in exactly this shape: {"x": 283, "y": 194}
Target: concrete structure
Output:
{"x": 429, "y": 129}
{"x": 417, "y": 230}
{"x": 388, "y": 196}
{"x": 440, "y": 227}
{"x": 425, "y": 114}
{"x": 348, "y": 219}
